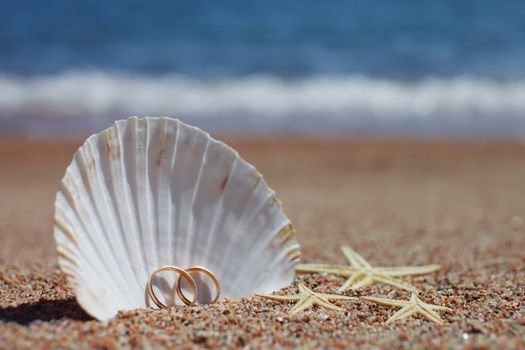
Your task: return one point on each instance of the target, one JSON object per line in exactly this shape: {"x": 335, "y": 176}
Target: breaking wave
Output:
{"x": 85, "y": 101}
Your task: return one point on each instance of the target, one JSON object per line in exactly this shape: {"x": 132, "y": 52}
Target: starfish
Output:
{"x": 307, "y": 298}
{"x": 362, "y": 274}
{"x": 411, "y": 307}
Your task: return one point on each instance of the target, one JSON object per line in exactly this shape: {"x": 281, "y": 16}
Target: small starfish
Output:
{"x": 362, "y": 274}
{"x": 307, "y": 298}
{"x": 411, "y": 307}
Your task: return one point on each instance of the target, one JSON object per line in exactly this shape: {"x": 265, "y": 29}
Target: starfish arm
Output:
{"x": 350, "y": 282}
{"x": 303, "y": 304}
{"x": 303, "y": 289}
{"x": 407, "y": 270}
{"x": 387, "y": 302}
{"x": 330, "y": 297}
{"x": 323, "y": 303}
{"x": 395, "y": 282}
{"x": 280, "y": 297}
{"x": 335, "y": 269}
{"x": 362, "y": 283}
{"x": 354, "y": 258}
{"x": 405, "y": 312}
{"x": 430, "y": 315}
{"x": 433, "y": 308}
{"x": 437, "y": 307}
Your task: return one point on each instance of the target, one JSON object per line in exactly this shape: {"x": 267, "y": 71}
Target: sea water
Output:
{"x": 448, "y": 67}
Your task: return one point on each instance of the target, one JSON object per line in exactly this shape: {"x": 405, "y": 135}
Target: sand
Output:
{"x": 459, "y": 204}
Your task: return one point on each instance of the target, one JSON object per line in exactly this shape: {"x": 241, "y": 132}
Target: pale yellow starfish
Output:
{"x": 412, "y": 307}
{"x": 307, "y": 298}
{"x": 362, "y": 274}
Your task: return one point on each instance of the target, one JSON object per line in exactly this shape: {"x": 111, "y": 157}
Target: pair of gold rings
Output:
{"x": 186, "y": 274}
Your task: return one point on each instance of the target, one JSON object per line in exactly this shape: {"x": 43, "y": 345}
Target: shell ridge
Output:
{"x": 142, "y": 193}
{"x": 190, "y": 243}
{"x": 289, "y": 257}
{"x": 290, "y": 262}
{"x": 161, "y": 197}
{"x": 63, "y": 223}
{"x": 270, "y": 279}
{"x": 267, "y": 277}
{"x": 232, "y": 272}
{"x": 262, "y": 241}
{"x": 208, "y": 198}
{"x": 225, "y": 224}
{"x": 79, "y": 204}
{"x": 172, "y": 208}
{"x": 102, "y": 211}
{"x": 67, "y": 253}
{"x": 218, "y": 209}
{"x": 132, "y": 180}
{"x": 267, "y": 243}
{"x": 118, "y": 174}
{"x": 97, "y": 229}
{"x": 90, "y": 262}
{"x": 177, "y": 193}
{"x": 150, "y": 188}
{"x": 108, "y": 192}
{"x": 64, "y": 242}
{"x": 182, "y": 188}
{"x": 126, "y": 191}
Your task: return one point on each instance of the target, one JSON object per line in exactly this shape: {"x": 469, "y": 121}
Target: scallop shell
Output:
{"x": 150, "y": 192}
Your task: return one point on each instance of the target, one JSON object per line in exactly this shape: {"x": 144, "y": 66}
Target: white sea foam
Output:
{"x": 75, "y": 100}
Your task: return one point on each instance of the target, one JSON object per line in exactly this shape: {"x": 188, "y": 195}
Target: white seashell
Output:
{"x": 150, "y": 192}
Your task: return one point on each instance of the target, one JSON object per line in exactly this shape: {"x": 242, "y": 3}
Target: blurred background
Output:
{"x": 446, "y": 68}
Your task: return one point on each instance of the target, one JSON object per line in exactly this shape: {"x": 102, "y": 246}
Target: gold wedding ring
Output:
{"x": 186, "y": 274}
{"x": 207, "y": 272}
{"x": 182, "y": 273}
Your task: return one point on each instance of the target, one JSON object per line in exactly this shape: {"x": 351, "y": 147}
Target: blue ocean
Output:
{"x": 414, "y": 67}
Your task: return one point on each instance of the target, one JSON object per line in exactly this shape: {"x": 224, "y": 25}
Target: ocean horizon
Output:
{"x": 442, "y": 69}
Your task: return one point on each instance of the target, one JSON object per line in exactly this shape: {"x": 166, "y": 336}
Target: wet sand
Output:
{"x": 396, "y": 202}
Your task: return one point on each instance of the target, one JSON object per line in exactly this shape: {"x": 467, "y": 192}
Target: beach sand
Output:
{"x": 396, "y": 202}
